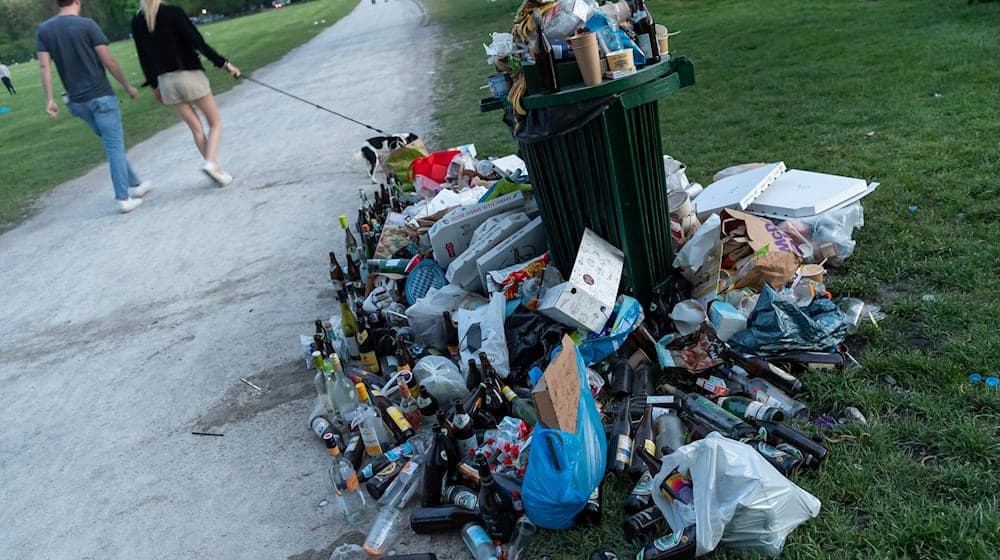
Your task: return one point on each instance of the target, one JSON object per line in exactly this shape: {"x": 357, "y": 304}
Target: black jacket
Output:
{"x": 174, "y": 45}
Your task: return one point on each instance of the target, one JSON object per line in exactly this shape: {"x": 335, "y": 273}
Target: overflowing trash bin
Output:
{"x": 503, "y": 346}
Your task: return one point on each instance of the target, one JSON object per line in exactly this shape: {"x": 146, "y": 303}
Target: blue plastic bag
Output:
{"x": 626, "y": 318}
{"x": 564, "y": 468}
{"x": 778, "y": 325}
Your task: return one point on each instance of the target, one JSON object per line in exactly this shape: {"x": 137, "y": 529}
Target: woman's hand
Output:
{"x": 233, "y": 71}
{"x": 157, "y": 96}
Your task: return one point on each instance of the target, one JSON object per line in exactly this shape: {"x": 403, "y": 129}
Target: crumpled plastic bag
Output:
{"x": 441, "y": 377}
{"x": 501, "y": 47}
{"x": 779, "y": 325}
{"x": 626, "y": 317}
{"x": 564, "y": 468}
{"x": 827, "y": 235}
{"x": 529, "y": 336}
{"x": 740, "y": 500}
{"x": 482, "y": 330}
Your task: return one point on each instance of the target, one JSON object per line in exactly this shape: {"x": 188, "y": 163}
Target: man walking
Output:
{"x": 80, "y": 51}
{"x": 5, "y": 78}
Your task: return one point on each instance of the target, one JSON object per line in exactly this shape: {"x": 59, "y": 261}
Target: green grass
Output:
{"x": 39, "y": 153}
{"x": 805, "y": 83}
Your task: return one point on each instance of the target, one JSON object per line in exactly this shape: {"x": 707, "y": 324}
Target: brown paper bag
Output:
{"x": 760, "y": 252}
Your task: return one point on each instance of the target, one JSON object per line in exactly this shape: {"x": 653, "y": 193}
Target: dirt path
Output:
{"x": 122, "y": 334}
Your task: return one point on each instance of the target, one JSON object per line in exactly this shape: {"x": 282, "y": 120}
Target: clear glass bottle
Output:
{"x": 347, "y": 492}
{"x": 341, "y": 391}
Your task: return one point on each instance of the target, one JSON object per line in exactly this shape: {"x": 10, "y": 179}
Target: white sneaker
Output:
{"x": 129, "y": 204}
{"x": 140, "y": 190}
{"x": 217, "y": 174}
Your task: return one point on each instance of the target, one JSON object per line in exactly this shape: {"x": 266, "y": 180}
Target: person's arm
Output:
{"x": 111, "y": 64}
{"x": 144, "y": 55}
{"x": 191, "y": 34}
{"x": 45, "y": 70}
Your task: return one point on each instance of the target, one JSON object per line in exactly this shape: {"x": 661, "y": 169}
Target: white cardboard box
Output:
{"x": 526, "y": 243}
{"x": 451, "y": 234}
{"x": 587, "y": 299}
{"x": 462, "y": 270}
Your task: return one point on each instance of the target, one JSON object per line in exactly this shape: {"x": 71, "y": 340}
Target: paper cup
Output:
{"x": 813, "y": 272}
{"x": 679, "y": 203}
{"x": 621, "y": 60}
{"x": 588, "y": 57}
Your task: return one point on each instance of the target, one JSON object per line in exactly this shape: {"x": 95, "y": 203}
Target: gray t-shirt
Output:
{"x": 70, "y": 40}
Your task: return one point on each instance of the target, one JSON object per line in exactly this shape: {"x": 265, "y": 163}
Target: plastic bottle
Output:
{"x": 478, "y": 542}
{"x": 346, "y": 491}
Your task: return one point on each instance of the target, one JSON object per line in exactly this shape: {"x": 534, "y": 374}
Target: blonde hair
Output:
{"x": 149, "y": 9}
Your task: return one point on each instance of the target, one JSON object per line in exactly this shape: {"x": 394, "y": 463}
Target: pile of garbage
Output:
{"x": 467, "y": 381}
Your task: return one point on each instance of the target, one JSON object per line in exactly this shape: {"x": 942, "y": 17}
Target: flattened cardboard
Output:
{"x": 451, "y": 234}
{"x": 557, "y": 393}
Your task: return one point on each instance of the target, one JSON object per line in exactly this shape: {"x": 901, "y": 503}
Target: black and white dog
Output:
{"x": 377, "y": 146}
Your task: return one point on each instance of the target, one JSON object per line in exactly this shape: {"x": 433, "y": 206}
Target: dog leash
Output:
{"x": 316, "y": 105}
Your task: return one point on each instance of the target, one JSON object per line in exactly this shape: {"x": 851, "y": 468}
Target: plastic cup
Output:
{"x": 813, "y": 272}
{"x": 588, "y": 57}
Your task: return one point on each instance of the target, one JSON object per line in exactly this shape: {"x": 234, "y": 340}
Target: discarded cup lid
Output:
{"x": 975, "y": 377}
{"x": 992, "y": 382}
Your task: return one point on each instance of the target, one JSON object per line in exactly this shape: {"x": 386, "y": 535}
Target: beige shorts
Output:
{"x": 183, "y": 86}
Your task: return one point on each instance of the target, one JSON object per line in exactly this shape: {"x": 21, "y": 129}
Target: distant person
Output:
{"x": 5, "y": 78}
{"x": 168, "y": 45}
{"x": 80, "y": 51}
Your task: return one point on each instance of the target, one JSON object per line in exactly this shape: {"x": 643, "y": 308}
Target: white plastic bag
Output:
{"x": 740, "y": 500}
{"x": 425, "y": 316}
{"x": 481, "y": 330}
{"x": 441, "y": 377}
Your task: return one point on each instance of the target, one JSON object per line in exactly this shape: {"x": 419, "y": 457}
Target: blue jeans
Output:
{"x": 104, "y": 118}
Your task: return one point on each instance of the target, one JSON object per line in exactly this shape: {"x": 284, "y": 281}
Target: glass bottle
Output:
{"x": 524, "y": 533}
{"x": 373, "y": 431}
{"x": 643, "y": 439}
{"x": 707, "y": 411}
{"x": 521, "y": 407}
{"x": 341, "y": 390}
{"x": 478, "y": 542}
{"x": 451, "y": 335}
{"x": 750, "y": 409}
{"x": 545, "y": 60}
{"x": 408, "y": 405}
{"x": 621, "y": 439}
{"x": 349, "y": 324}
{"x": 347, "y": 492}
{"x": 496, "y": 518}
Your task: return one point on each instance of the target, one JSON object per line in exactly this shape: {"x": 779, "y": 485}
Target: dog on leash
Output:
{"x": 377, "y": 146}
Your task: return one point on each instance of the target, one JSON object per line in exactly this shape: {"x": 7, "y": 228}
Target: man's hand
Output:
{"x": 52, "y": 109}
{"x": 133, "y": 93}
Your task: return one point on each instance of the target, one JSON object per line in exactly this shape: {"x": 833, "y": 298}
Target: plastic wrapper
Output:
{"x": 425, "y": 316}
{"x": 566, "y": 17}
{"x": 697, "y": 352}
{"x": 441, "y": 377}
{"x": 564, "y": 468}
{"x": 530, "y": 337}
{"x": 779, "y": 325}
{"x": 521, "y": 281}
{"x": 500, "y": 48}
{"x": 740, "y": 500}
{"x": 627, "y": 316}
{"x": 827, "y": 237}
{"x": 482, "y": 330}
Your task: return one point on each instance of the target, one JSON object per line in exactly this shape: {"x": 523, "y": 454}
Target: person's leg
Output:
{"x": 187, "y": 114}
{"x": 208, "y": 107}
{"x": 108, "y": 121}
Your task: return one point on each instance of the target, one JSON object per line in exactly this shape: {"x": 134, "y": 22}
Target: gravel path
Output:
{"x": 123, "y": 333}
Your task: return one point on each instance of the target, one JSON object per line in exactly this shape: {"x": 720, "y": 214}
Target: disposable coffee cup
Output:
{"x": 679, "y": 203}
{"x": 621, "y": 60}
{"x": 813, "y": 272}
{"x": 588, "y": 57}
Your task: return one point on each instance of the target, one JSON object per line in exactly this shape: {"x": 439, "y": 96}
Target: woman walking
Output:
{"x": 168, "y": 45}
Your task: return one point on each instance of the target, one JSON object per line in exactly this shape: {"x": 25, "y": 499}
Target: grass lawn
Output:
{"x": 39, "y": 153}
{"x": 905, "y": 93}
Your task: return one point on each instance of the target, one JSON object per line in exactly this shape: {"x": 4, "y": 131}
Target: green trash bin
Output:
{"x": 605, "y": 170}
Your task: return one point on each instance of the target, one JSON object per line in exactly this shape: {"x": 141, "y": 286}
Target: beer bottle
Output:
{"x": 758, "y": 367}
{"x": 408, "y": 405}
{"x": 675, "y": 486}
{"x": 621, "y": 440}
{"x": 714, "y": 415}
{"x": 495, "y": 518}
{"x": 349, "y": 324}
{"x": 644, "y": 524}
{"x": 461, "y": 496}
{"x": 441, "y": 519}
{"x": 397, "y": 423}
{"x": 643, "y": 439}
{"x": 465, "y": 432}
{"x": 437, "y": 466}
{"x": 405, "y": 450}
{"x": 366, "y": 347}
{"x": 678, "y": 545}
{"x": 521, "y": 407}
{"x": 473, "y": 377}
{"x": 354, "y": 451}
{"x": 336, "y": 273}
{"x": 350, "y": 243}
{"x": 451, "y": 335}
{"x": 590, "y": 515}
{"x": 427, "y": 404}
{"x": 750, "y": 409}
{"x": 641, "y": 496}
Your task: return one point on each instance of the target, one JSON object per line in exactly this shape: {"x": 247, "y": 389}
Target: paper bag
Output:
{"x": 758, "y": 251}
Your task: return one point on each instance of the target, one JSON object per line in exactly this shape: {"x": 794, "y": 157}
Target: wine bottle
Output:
{"x": 497, "y": 520}
{"x": 714, "y": 415}
{"x": 645, "y": 30}
{"x": 437, "y": 465}
{"x": 394, "y": 418}
{"x": 621, "y": 438}
{"x": 341, "y": 390}
{"x": 763, "y": 369}
{"x": 349, "y": 324}
{"x": 451, "y": 335}
{"x": 473, "y": 377}
{"x": 644, "y": 524}
{"x": 545, "y": 61}
{"x": 441, "y": 519}
{"x": 366, "y": 347}
{"x": 350, "y": 500}
{"x": 350, "y": 243}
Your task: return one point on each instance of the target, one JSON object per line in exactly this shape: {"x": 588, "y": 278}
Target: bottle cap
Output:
{"x": 975, "y": 377}
{"x": 992, "y": 382}
{"x": 362, "y": 391}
